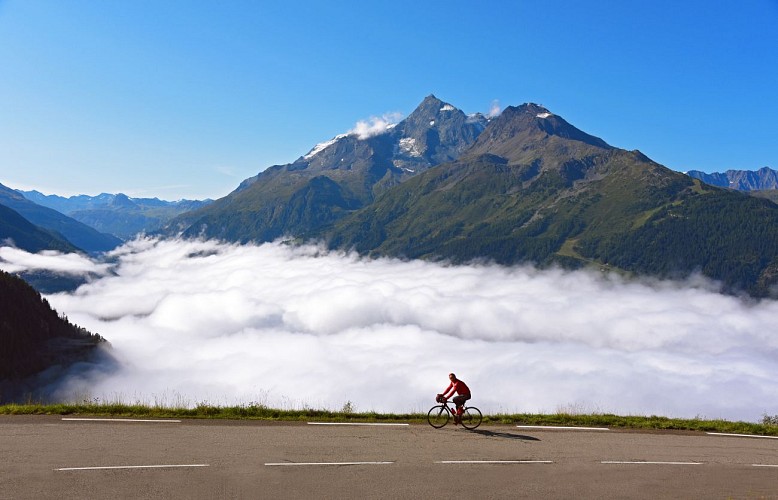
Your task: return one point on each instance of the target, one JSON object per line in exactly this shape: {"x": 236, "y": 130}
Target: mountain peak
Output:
{"x": 438, "y": 131}
{"x": 430, "y": 109}
{"x": 122, "y": 200}
{"x": 532, "y": 108}
{"x": 519, "y": 126}
{"x": 527, "y": 110}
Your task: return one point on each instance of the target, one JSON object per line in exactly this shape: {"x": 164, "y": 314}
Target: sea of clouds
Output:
{"x": 296, "y": 327}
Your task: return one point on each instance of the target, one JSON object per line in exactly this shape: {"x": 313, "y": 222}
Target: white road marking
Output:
{"x": 132, "y": 467}
{"x": 556, "y": 427}
{"x": 764, "y": 465}
{"x": 121, "y": 420}
{"x": 292, "y": 464}
{"x": 495, "y": 462}
{"x": 358, "y": 423}
{"x": 741, "y": 435}
{"x": 640, "y": 462}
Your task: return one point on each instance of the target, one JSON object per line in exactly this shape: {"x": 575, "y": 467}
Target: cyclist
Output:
{"x": 463, "y": 394}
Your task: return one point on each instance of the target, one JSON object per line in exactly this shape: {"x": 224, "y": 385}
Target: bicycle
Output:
{"x": 439, "y": 415}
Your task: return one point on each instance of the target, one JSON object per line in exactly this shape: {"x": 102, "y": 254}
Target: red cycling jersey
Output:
{"x": 459, "y": 387}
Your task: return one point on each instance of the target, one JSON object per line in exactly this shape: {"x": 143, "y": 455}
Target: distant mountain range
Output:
{"x": 526, "y": 186}
{"x": 116, "y": 214}
{"x": 743, "y": 180}
{"x": 60, "y": 226}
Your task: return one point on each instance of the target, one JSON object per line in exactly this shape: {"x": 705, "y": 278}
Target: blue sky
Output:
{"x": 184, "y": 99}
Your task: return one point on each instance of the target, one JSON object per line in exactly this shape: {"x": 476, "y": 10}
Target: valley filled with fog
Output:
{"x": 301, "y": 327}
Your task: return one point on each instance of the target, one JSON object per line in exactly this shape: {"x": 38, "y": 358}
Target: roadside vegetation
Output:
{"x": 255, "y": 411}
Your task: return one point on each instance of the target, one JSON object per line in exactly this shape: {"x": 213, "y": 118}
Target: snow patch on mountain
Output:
{"x": 409, "y": 146}
{"x": 323, "y": 145}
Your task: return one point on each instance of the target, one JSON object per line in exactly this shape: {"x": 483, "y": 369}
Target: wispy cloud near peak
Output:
{"x": 375, "y": 125}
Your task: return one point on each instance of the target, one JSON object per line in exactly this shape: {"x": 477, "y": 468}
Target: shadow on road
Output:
{"x": 505, "y": 435}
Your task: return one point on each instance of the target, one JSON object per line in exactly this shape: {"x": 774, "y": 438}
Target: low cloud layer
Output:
{"x": 193, "y": 321}
{"x": 15, "y": 260}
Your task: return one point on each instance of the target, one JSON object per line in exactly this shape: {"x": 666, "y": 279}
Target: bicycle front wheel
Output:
{"x": 471, "y": 418}
{"x": 438, "y": 416}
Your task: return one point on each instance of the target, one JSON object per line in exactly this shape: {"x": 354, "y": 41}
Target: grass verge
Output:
{"x": 260, "y": 412}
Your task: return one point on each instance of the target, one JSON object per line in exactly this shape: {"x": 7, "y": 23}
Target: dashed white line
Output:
{"x": 741, "y": 435}
{"x": 169, "y": 421}
{"x": 358, "y": 424}
{"x": 641, "y": 462}
{"x": 494, "y": 462}
{"x": 112, "y": 467}
{"x": 562, "y": 428}
{"x": 293, "y": 464}
{"x": 764, "y": 465}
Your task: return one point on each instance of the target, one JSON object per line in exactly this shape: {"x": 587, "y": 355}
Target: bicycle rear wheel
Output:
{"x": 438, "y": 416}
{"x": 471, "y": 418}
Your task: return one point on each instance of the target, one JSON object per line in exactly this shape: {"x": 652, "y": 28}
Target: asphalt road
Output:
{"x": 46, "y": 457}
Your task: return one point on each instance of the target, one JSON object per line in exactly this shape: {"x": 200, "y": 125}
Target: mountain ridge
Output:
{"x": 80, "y": 235}
{"x": 17, "y": 231}
{"x": 117, "y": 214}
{"x": 763, "y": 179}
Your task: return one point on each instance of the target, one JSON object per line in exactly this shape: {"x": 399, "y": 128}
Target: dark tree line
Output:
{"x": 33, "y": 336}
